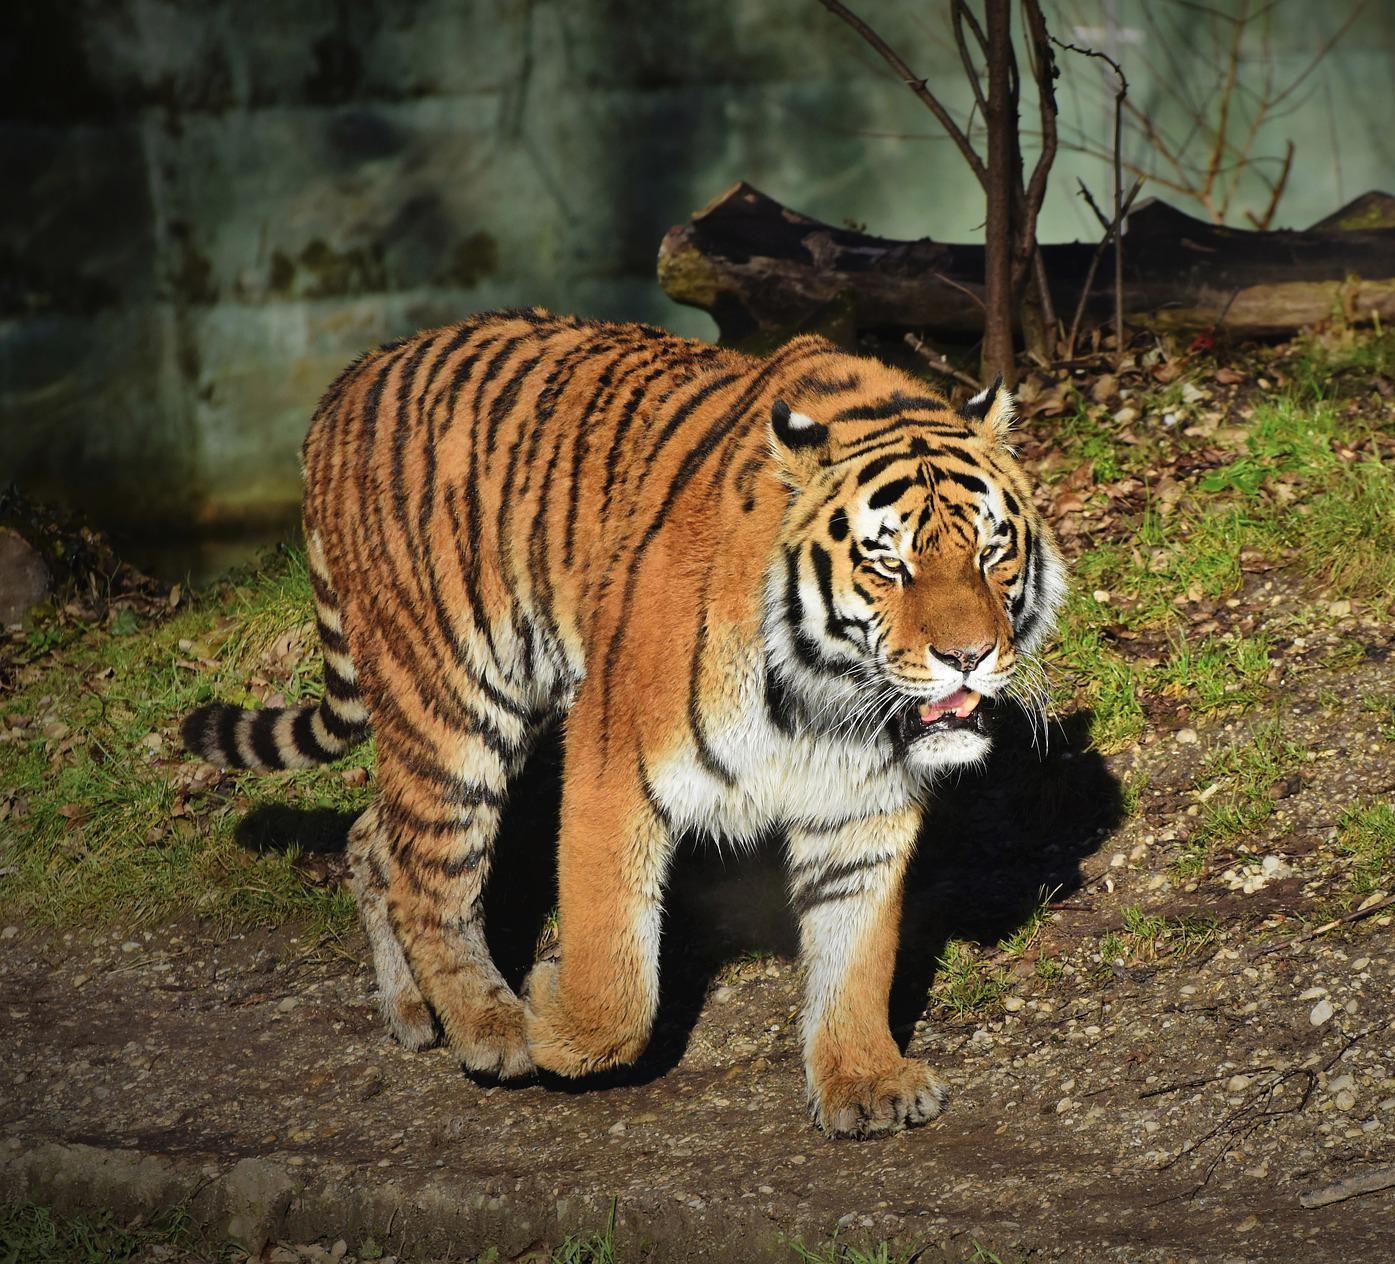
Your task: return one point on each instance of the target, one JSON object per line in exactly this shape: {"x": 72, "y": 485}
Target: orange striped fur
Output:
{"x": 766, "y": 595}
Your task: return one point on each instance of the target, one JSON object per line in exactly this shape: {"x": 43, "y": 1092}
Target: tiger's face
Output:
{"x": 917, "y": 576}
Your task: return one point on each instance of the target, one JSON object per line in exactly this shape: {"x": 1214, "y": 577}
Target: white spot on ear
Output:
{"x": 980, "y": 399}
{"x": 801, "y": 421}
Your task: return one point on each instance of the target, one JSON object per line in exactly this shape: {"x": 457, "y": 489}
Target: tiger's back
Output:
{"x": 707, "y": 563}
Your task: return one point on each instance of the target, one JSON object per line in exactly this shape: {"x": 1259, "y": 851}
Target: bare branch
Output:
{"x": 957, "y": 12}
{"x": 915, "y": 83}
{"x": 1110, "y": 231}
{"x": 937, "y": 361}
{"x": 1276, "y": 191}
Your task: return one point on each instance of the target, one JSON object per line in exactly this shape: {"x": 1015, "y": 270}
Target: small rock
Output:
{"x": 287, "y": 1004}
{"x": 1247, "y": 1224}
{"x": 722, "y": 995}
{"x": 1185, "y": 737}
{"x": 24, "y": 579}
{"x": 1237, "y": 1083}
{"x": 617, "y": 1129}
{"x": 9, "y": 932}
{"x": 1345, "y": 1100}
{"x": 797, "y": 1159}
{"x": 1013, "y": 1003}
{"x": 1320, "y": 1013}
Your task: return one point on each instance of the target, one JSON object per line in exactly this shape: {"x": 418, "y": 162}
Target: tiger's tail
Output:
{"x": 291, "y": 737}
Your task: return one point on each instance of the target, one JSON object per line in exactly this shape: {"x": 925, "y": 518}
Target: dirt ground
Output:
{"x": 1162, "y": 1105}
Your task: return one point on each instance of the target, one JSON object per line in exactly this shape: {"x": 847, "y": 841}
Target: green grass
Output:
{"x": 104, "y": 826}
{"x": 35, "y": 1235}
{"x": 1367, "y": 835}
{"x": 1146, "y": 937}
{"x": 1244, "y": 775}
{"x": 964, "y": 985}
{"x": 1382, "y": 706}
{"x": 1017, "y": 944}
{"x": 881, "y": 1253}
{"x": 1296, "y": 494}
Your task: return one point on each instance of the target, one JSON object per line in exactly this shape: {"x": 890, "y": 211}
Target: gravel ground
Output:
{"x": 1168, "y": 1102}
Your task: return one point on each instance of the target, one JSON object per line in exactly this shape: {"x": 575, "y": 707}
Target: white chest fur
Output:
{"x": 765, "y": 778}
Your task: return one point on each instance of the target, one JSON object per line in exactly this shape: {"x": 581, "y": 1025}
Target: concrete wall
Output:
{"x": 213, "y": 204}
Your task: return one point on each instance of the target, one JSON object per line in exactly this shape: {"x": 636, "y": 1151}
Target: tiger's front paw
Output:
{"x": 906, "y": 1094}
{"x": 492, "y": 1040}
{"x": 567, "y": 1043}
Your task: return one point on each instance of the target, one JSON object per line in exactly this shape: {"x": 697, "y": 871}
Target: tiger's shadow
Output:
{"x": 994, "y": 842}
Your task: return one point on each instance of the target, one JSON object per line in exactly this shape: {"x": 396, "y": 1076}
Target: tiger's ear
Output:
{"x": 994, "y": 409}
{"x": 801, "y": 443}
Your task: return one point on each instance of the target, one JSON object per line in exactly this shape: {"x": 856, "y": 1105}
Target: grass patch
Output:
{"x": 1150, "y": 937}
{"x": 1305, "y": 488}
{"x": 35, "y": 1235}
{"x": 1382, "y": 706}
{"x": 881, "y": 1253}
{"x": 964, "y": 985}
{"x": 106, "y": 824}
{"x": 1367, "y": 834}
{"x": 1243, "y": 778}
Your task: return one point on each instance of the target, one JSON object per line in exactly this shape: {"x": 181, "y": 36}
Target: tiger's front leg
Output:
{"x": 595, "y": 1007}
{"x": 846, "y": 888}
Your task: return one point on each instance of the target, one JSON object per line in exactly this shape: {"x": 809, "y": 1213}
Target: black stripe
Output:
{"x": 262, "y": 733}
{"x": 889, "y": 493}
{"x": 815, "y": 384}
{"x": 504, "y": 400}
{"x": 834, "y": 623}
{"x": 969, "y": 482}
{"x": 896, "y": 406}
{"x": 707, "y": 757}
{"x": 651, "y": 796}
{"x": 334, "y": 642}
{"x": 347, "y": 732}
{"x": 870, "y": 471}
{"x": 638, "y": 395}
{"x": 779, "y": 705}
{"x": 805, "y": 647}
{"x": 606, "y": 386}
{"x": 226, "y": 721}
{"x": 305, "y": 740}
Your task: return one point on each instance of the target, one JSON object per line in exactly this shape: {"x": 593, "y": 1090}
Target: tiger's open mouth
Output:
{"x": 959, "y": 712}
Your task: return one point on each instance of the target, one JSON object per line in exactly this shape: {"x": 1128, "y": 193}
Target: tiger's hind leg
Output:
{"x": 439, "y": 820}
{"x": 403, "y": 1007}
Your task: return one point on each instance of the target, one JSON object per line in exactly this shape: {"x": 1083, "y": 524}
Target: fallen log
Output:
{"x": 758, "y": 266}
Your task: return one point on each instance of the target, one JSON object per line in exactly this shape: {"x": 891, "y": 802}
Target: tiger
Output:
{"x": 768, "y": 597}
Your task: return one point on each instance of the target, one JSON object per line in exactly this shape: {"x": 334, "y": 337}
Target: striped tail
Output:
{"x": 291, "y": 737}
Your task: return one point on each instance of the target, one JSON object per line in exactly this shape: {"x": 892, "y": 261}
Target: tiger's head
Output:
{"x": 914, "y": 577}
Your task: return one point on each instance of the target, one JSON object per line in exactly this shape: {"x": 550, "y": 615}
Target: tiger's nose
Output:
{"x": 966, "y": 657}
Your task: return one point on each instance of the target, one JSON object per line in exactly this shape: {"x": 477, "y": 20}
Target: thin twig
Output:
{"x": 1327, "y": 926}
{"x": 962, "y": 288}
{"x": 1110, "y": 232}
{"x": 1105, "y": 222}
{"x": 1120, "y": 96}
{"x": 937, "y": 361}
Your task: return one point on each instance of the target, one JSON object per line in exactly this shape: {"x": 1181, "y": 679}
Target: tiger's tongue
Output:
{"x": 961, "y": 702}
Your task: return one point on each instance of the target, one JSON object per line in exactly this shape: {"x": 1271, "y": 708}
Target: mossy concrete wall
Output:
{"x": 212, "y": 205}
